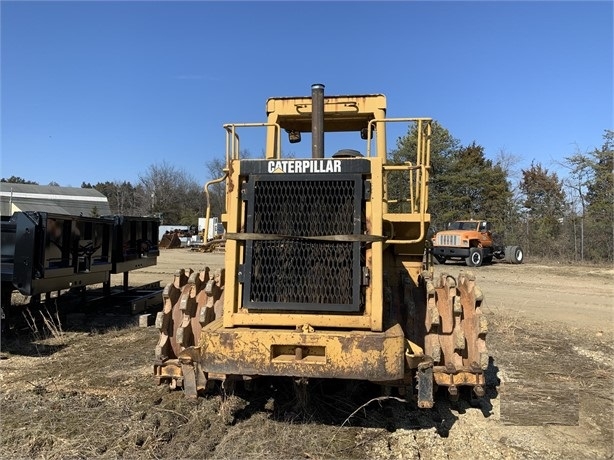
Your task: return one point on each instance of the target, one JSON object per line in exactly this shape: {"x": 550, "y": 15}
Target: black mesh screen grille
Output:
{"x": 298, "y": 273}
{"x": 301, "y": 208}
{"x": 302, "y": 272}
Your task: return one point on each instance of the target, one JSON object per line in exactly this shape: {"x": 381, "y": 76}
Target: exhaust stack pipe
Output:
{"x": 317, "y": 120}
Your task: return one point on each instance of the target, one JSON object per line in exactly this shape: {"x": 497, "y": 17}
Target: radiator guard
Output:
{"x": 299, "y": 272}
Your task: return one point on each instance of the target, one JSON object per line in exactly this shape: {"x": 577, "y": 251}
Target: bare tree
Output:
{"x": 171, "y": 194}
{"x": 580, "y": 176}
{"x": 545, "y": 205}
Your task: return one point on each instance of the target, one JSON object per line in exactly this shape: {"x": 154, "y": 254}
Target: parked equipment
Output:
{"x": 472, "y": 241}
{"x": 43, "y": 253}
{"x": 325, "y": 274}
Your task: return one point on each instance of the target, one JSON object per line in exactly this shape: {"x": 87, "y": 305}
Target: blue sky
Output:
{"x": 99, "y": 91}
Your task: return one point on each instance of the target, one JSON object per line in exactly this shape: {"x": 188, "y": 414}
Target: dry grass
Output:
{"x": 53, "y": 323}
{"x": 51, "y": 326}
{"x": 503, "y": 322}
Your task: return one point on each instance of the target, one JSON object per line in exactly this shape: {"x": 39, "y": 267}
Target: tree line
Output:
{"x": 567, "y": 218}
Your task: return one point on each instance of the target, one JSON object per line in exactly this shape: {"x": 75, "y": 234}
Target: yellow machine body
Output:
{"x": 326, "y": 274}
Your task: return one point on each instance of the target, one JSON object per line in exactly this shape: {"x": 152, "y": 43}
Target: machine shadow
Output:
{"x": 359, "y": 404}
{"x": 38, "y": 329}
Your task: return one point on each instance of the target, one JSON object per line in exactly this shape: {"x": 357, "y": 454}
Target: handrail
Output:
{"x": 232, "y": 138}
{"x": 352, "y": 105}
{"x": 374, "y": 121}
{"x": 422, "y": 212}
{"x": 404, "y": 167}
{"x": 230, "y": 134}
{"x": 417, "y": 184}
{"x": 208, "y": 213}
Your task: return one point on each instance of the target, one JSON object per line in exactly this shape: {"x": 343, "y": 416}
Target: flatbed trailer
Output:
{"x": 46, "y": 255}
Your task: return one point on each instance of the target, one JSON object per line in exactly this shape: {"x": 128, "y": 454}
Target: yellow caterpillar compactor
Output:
{"x": 325, "y": 268}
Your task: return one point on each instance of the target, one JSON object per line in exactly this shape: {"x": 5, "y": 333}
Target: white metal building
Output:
{"x": 74, "y": 201}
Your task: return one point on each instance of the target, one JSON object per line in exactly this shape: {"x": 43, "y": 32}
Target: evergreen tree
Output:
{"x": 443, "y": 148}
{"x": 463, "y": 183}
{"x": 600, "y": 201}
{"x": 18, "y": 180}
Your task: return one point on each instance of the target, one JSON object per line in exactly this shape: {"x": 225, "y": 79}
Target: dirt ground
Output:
{"x": 85, "y": 389}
